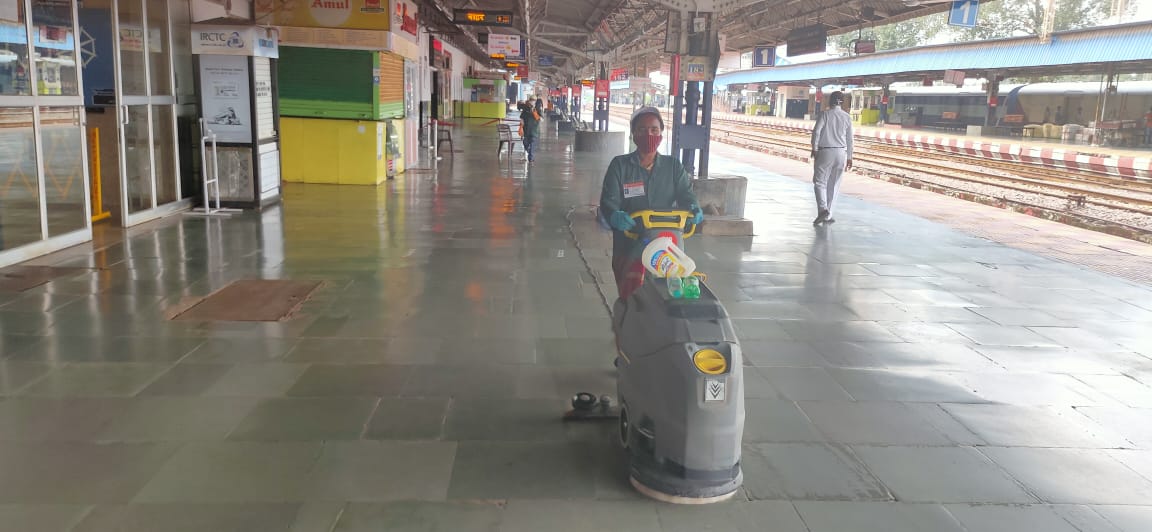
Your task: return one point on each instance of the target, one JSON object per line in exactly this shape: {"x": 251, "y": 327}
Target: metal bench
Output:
{"x": 506, "y": 137}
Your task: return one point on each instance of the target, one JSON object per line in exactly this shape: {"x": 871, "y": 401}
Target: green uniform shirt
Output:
{"x": 629, "y": 187}
{"x": 531, "y": 125}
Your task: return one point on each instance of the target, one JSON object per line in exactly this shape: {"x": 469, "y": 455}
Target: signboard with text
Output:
{"x": 225, "y": 97}
{"x": 505, "y": 45}
{"x": 351, "y": 14}
{"x": 603, "y": 89}
{"x": 479, "y": 17}
{"x": 764, "y": 56}
{"x": 963, "y": 13}
{"x": 233, "y": 40}
{"x": 807, "y": 40}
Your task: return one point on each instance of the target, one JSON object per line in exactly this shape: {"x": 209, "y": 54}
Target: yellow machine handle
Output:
{"x": 650, "y": 219}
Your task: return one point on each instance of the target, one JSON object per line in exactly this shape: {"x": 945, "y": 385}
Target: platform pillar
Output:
{"x": 602, "y": 97}
{"x": 885, "y": 94}
{"x": 993, "y": 100}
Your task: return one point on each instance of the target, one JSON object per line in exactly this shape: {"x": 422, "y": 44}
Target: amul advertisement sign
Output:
{"x": 347, "y": 14}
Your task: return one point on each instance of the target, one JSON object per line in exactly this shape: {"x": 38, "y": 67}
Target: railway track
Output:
{"x": 1110, "y": 204}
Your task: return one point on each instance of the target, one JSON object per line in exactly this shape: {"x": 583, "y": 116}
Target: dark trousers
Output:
{"x": 529, "y": 146}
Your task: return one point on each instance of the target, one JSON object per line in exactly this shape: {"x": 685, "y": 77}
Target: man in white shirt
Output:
{"x": 832, "y": 154}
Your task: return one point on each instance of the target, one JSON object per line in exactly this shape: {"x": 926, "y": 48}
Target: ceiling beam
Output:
{"x": 554, "y": 45}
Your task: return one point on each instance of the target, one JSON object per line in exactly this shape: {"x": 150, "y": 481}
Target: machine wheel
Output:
{"x": 625, "y": 428}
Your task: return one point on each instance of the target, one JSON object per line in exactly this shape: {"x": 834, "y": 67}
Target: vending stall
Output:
{"x": 236, "y": 77}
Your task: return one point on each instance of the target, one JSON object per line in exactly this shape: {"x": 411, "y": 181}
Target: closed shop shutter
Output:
{"x": 326, "y": 83}
{"x": 391, "y": 85}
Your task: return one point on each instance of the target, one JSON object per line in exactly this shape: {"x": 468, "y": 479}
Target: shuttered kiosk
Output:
{"x": 340, "y": 114}
{"x": 236, "y": 75}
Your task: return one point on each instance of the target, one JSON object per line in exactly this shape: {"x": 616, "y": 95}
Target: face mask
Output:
{"x": 648, "y": 143}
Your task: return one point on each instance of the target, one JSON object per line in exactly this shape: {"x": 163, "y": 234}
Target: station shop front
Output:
{"x": 99, "y": 108}
{"x": 88, "y": 118}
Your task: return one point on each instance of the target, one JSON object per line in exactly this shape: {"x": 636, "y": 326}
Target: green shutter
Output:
{"x": 327, "y": 83}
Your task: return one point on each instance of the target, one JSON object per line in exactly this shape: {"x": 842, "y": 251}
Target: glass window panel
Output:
{"x": 15, "y": 79}
{"x": 158, "y": 53}
{"x": 134, "y": 78}
{"x": 64, "y": 191}
{"x": 164, "y": 133}
{"x": 55, "y": 48}
{"x": 19, "y": 188}
{"x": 138, "y": 159}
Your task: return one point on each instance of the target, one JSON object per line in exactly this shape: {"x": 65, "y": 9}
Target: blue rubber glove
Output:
{"x": 622, "y": 222}
{"x": 698, "y": 212}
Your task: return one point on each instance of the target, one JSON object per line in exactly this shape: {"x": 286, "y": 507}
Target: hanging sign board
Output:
{"x": 225, "y": 98}
{"x": 234, "y": 40}
{"x": 807, "y": 40}
{"x": 864, "y": 47}
{"x": 478, "y": 17}
{"x": 506, "y": 45}
{"x": 954, "y": 77}
{"x": 764, "y": 56}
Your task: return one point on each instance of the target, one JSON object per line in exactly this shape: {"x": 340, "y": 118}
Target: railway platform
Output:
{"x": 903, "y": 373}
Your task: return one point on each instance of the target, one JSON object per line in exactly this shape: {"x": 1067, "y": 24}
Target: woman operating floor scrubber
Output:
{"x": 679, "y": 366}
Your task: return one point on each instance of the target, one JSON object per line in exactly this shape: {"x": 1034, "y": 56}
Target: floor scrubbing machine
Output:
{"x": 679, "y": 383}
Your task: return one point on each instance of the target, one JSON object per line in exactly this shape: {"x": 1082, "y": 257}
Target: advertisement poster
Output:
{"x": 503, "y": 45}
{"x": 348, "y": 14}
{"x": 602, "y": 88}
{"x": 226, "y": 98}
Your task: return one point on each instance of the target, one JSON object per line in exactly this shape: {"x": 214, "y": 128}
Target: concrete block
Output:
{"x": 565, "y": 126}
{"x": 723, "y": 195}
{"x": 726, "y": 226}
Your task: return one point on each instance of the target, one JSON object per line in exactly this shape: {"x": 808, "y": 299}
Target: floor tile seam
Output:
{"x": 1079, "y": 377}
{"x": 1027, "y": 489}
{"x": 368, "y": 420}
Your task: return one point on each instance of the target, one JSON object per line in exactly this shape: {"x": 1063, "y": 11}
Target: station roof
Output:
{"x": 1125, "y": 48}
{"x": 631, "y": 32}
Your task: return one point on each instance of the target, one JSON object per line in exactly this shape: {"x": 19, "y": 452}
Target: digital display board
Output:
{"x": 477, "y": 17}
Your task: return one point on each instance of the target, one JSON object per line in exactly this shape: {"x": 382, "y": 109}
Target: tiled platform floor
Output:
{"x": 902, "y": 376}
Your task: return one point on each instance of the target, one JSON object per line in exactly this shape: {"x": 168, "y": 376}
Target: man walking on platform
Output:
{"x": 832, "y": 154}
{"x": 1148, "y": 128}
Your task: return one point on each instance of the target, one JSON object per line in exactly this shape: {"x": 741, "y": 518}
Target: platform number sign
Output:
{"x": 764, "y": 56}
{"x": 963, "y": 13}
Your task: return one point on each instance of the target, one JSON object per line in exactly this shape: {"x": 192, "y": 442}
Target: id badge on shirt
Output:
{"x": 633, "y": 190}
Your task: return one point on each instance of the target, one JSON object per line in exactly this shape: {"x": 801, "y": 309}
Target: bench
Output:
{"x": 504, "y": 131}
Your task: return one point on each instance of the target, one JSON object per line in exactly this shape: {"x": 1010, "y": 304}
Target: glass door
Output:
{"x": 146, "y": 109}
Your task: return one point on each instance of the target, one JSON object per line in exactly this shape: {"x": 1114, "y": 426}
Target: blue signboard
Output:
{"x": 963, "y": 13}
{"x": 764, "y": 56}
{"x": 544, "y": 61}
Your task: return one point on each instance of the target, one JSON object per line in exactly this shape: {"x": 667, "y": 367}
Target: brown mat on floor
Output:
{"x": 21, "y": 278}
{"x": 251, "y": 300}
